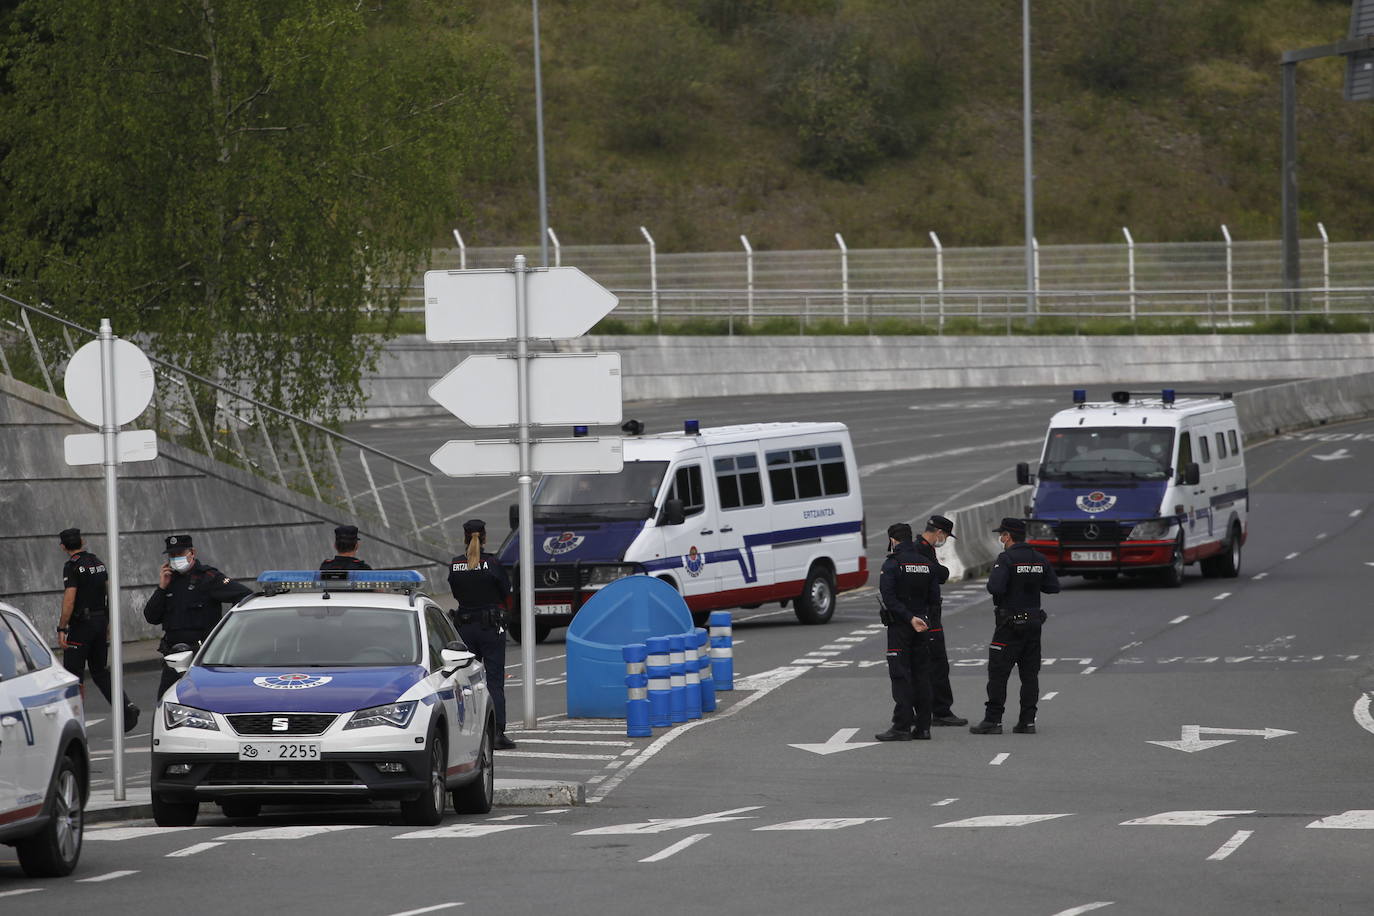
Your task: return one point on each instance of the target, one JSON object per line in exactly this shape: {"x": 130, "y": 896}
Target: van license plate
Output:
{"x": 543, "y": 609}
{"x": 1090, "y": 556}
{"x": 279, "y": 750}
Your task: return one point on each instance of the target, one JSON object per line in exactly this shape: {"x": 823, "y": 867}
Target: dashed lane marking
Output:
{"x": 822, "y": 823}
{"x": 675, "y": 848}
{"x": 133, "y": 833}
{"x": 998, "y": 760}
{"x": 1258, "y": 576}
{"x": 1293, "y": 555}
{"x": 1180, "y": 618}
{"x": 1003, "y": 820}
{"x": 1321, "y": 536}
{"x": 508, "y": 817}
{"x": 192, "y": 850}
{"x": 1230, "y": 846}
{"x": 1221, "y": 596}
{"x": 1085, "y": 908}
{"x": 428, "y": 909}
{"x": 108, "y": 876}
{"x": 942, "y": 802}
{"x": 1089, "y": 670}
{"x": 22, "y": 890}
{"x": 1051, "y": 695}
{"x": 1356, "y": 513}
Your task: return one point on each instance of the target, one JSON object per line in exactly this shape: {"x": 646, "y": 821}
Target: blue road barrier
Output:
{"x": 659, "y": 682}
{"x": 677, "y": 668}
{"x": 708, "y": 684}
{"x": 692, "y": 676}
{"x": 722, "y": 650}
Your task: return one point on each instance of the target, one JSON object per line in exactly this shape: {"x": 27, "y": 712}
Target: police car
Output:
{"x": 326, "y": 686}
{"x": 44, "y": 766}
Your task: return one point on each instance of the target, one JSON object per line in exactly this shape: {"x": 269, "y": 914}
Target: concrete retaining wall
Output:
{"x": 240, "y": 522}
{"x": 694, "y": 367}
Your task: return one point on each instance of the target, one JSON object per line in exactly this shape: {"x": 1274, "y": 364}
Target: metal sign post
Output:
{"x": 109, "y": 432}
{"x": 526, "y": 484}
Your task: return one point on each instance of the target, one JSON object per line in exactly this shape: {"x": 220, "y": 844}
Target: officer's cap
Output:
{"x": 176, "y": 543}
{"x": 940, "y": 523}
{"x": 901, "y": 531}
{"x": 70, "y": 537}
{"x": 345, "y": 533}
{"x": 474, "y": 526}
{"x": 1011, "y": 526}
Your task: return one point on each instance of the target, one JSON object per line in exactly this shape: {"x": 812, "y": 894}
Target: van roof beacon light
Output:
{"x": 692, "y": 427}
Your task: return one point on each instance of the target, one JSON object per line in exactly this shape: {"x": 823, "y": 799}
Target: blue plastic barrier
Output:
{"x": 677, "y": 668}
{"x": 636, "y": 691}
{"x": 659, "y": 682}
{"x": 722, "y": 650}
{"x": 708, "y": 684}
{"x": 692, "y": 671}
{"x": 626, "y": 612}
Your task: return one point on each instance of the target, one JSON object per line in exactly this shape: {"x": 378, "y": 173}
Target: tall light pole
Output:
{"x": 1027, "y": 158}
{"x": 539, "y": 142}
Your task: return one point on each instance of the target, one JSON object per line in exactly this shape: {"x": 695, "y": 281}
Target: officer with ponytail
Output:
{"x": 479, "y": 582}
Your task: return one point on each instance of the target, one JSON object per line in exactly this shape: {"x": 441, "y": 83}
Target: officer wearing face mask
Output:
{"x": 187, "y": 601}
{"x": 938, "y": 530}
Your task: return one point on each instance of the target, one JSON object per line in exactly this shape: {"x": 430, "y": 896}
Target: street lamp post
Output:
{"x": 1027, "y": 157}
{"x": 539, "y": 142}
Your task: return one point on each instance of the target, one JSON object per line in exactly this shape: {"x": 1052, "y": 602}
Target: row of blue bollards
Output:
{"x": 672, "y": 679}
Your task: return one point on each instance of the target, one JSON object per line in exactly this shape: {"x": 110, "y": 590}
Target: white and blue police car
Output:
{"x": 326, "y": 686}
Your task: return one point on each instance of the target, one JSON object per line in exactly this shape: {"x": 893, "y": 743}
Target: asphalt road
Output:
{"x": 729, "y": 815}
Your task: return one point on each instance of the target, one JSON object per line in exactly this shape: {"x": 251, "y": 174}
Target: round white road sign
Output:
{"x": 133, "y": 383}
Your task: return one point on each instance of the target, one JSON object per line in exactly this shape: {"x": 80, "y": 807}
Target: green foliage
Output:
{"x": 237, "y": 179}
{"x": 656, "y": 58}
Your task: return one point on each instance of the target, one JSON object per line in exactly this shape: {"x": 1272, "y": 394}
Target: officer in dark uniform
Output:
{"x": 909, "y": 587}
{"x": 83, "y": 631}
{"x": 480, "y": 584}
{"x": 938, "y": 530}
{"x": 345, "y": 550}
{"x": 187, "y": 601}
{"x": 1019, "y": 577}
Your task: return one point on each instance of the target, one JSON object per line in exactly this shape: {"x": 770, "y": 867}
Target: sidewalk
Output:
{"x": 142, "y": 655}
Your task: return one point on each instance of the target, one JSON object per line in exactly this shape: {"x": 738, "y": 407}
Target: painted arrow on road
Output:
{"x": 1191, "y": 741}
{"x": 836, "y": 743}
{"x": 1337, "y": 455}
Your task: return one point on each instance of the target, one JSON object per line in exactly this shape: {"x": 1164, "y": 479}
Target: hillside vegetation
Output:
{"x": 789, "y": 120}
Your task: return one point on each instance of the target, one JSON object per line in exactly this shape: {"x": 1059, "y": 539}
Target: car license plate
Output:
{"x": 279, "y": 750}
{"x": 1090, "y": 556}
{"x": 543, "y": 609}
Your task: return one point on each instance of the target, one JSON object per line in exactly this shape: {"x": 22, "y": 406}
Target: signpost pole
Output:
{"x": 525, "y": 483}
{"x": 109, "y": 432}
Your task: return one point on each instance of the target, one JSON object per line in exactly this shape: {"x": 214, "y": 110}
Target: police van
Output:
{"x": 731, "y": 516}
{"x": 1141, "y": 484}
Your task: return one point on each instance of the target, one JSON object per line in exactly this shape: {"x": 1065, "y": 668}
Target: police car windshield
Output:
{"x": 316, "y": 636}
{"x": 1113, "y": 453}
{"x": 627, "y": 495}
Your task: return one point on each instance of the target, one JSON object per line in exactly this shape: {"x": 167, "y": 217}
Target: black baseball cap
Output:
{"x": 940, "y": 523}
{"x": 1011, "y": 526}
{"x": 176, "y": 543}
{"x": 900, "y": 530}
{"x": 474, "y": 526}
{"x": 70, "y": 537}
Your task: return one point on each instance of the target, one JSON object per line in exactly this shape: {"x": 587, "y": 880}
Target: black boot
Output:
{"x": 1024, "y": 728}
{"x": 894, "y": 734}
{"x": 986, "y": 727}
{"x": 950, "y": 719}
{"x": 920, "y": 734}
{"x": 502, "y": 743}
{"x": 130, "y": 718}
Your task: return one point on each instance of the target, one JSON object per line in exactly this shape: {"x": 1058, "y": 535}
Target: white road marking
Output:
{"x": 298, "y": 832}
{"x": 1085, "y": 908}
{"x": 551, "y": 658}
{"x": 552, "y": 756}
{"x": 870, "y": 469}
{"x": 1362, "y": 713}
{"x": 1356, "y": 513}
{"x": 556, "y": 811}
{"x": 22, "y": 890}
{"x": 1258, "y": 576}
{"x": 1350, "y": 820}
{"x": 1089, "y": 670}
{"x": 851, "y": 639}
{"x": 944, "y": 801}
{"x": 1183, "y": 818}
{"x": 427, "y": 909}
{"x": 192, "y": 850}
{"x": 89, "y": 724}
{"x": 630, "y": 753}
{"x": 566, "y": 731}
{"x": 1230, "y": 846}
{"x": 998, "y": 760}
{"x": 462, "y": 831}
{"x": 1003, "y": 820}
{"x": 1179, "y": 619}
{"x": 1131, "y": 645}
{"x": 807, "y": 661}
{"x": 1221, "y": 596}
{"x": 133, "y": 833}
{"x": 1321, "y": 536}
{"x": 508, "y": 817}
{"x": 675, "y": 848}
{"x": 108, "y": 876}
{"x": 1051, "y": 695}
{"x": 822, "y": 823}
{"x": 595, "y": 742}
{"x": 1292, "y": 555}
{"x": 821, "y": 654}
{"x": 663, "y": 825}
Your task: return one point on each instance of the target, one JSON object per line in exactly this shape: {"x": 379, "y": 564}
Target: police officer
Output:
{"x": 909, "y": 587}
{"x": 480, "y": 584}
{"x": 1018, "y": 579}
{"x": 187, "y": 600}
{"x": 345, "y": 550}
{"x": 83, "y": 631}
{"x": 938, "y": 530}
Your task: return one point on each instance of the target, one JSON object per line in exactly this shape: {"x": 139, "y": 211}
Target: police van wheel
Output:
{"x": 477, "y": 796}
{"x": 54, "y": 851}
{"x": 1172, "y": 575}
{"x": 174, "y": 814}
{"x": 238, "y": 808}
{"x": 428, "y": 809}
{"x": 816, "y": 603}
{"x": 1228, "y": 564}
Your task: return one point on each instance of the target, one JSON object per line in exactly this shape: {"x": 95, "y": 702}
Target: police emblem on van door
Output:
{"x": 566, "y": 542}
{"x": 694, "y": 562}
{"x": 1095, "y": 502}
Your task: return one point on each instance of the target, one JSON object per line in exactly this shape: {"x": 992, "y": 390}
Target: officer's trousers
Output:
{"x": 489, "y": 645}
{"x": 1014, "y": 646}
{"x": 88, "y": 646}
{"x": 908, "y": 666}
{"x": 941, "y": 693}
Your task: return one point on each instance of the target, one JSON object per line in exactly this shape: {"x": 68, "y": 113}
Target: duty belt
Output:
{"x": 487, "y": 617}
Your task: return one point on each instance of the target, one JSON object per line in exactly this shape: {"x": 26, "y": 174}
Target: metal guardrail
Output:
{"x": 265, "y": 440}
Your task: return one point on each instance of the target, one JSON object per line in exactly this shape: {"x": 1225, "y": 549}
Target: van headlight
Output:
{"x": 177, "y": 716}
{"x": 1156, "y": 529}
{"x": 397, "y": 715}
{"x": 605, "y": 575}
{"x": 1039, "y": 531}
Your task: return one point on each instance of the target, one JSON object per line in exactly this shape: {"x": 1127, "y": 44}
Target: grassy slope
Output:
{"x": 1190, "y": 144}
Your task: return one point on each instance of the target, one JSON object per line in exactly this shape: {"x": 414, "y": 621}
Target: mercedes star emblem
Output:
{"x": 1091, "y": 532}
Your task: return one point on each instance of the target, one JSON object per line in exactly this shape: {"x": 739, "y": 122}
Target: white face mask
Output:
{"x": 179, "y": 564}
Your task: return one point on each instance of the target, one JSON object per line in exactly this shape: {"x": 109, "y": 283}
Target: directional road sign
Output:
{"x": 89, "y": 448}
{"x": 565, "y": 389}
{"x": 133, "y": 383}
{"x": 480, "y": 304}
{"x": 501, "y": 457}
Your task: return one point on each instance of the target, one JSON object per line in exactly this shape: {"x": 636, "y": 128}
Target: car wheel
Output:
{"x": 54, "y": 851}
{"x": 239, "y": 808}
{"x": 542, "y": 629}
{"x": 477, "y": 796}
{"x": 816, "y": 603}
{"x": 428, "y": 809}
{"x": 174, "y": 814}
{"x": 1172, "y": 575}
{"x": 1228, "y": 564}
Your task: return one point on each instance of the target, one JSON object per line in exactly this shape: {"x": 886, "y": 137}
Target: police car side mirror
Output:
{"x": 180, "y": 662}
{"x": 673, "y": 513}
{"x": 514, "y": 514}
{"x": 1023, "y": 476}
{"x": 454, "y": 659}
{"x": 1191, "y": 474}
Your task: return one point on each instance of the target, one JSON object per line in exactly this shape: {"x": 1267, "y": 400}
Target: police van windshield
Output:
{"x": 627, "y": 495}
{"x": 318, "y": 636}
{"x": 1115, "y": 452}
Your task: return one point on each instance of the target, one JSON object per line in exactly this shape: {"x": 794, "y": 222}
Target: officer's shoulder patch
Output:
{"x": 226, "y": 580}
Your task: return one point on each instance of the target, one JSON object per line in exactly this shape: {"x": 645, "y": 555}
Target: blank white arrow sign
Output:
{"x": 1337, "y": 455}
{"x": 836, "y": 743}
{"x": 1191, "y": 741}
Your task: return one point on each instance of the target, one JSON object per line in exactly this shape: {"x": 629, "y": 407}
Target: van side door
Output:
{"x": 743, "y": 559}
{"x": 692, "y": 544}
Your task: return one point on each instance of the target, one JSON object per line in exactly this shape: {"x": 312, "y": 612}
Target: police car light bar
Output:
{"x": 280, "y": 580}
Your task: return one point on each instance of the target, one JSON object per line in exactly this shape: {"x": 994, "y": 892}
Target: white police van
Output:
{"x": 326, "y": 686}
{"x": 1141, "y": 484}
{"x": 730, "y": 516}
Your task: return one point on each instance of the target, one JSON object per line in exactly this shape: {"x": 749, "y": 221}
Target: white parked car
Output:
{"x": 44, "y": 764}
{"x": 326, "y": 686}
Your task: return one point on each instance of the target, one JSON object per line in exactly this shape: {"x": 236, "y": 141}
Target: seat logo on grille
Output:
{"x": 280, "y": 725}
{"x": 295, "y": 681}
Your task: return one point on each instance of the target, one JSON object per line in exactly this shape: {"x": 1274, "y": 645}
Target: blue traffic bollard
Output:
{"x": 677, "y": 668}
{"x": 637, "y": 706}
{"x": 659, "y": 682}
{"x": 708, "y": 684}
{"x": 692, "y": 676}
{"x": 722, "y": 651}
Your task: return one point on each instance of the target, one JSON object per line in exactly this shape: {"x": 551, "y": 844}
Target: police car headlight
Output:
{"x": 397, "y": 715}
{"x": 605, "y": 575}
{"x": 175, "y": 716}
{"x": 1153, "y": 530}
{"x": 1039, "y": 531}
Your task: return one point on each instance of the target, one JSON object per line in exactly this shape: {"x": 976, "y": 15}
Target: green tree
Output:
{"x": 241, "y": 181}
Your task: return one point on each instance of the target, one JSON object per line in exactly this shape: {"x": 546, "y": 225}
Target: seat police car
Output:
{"x": 326, "y": 686}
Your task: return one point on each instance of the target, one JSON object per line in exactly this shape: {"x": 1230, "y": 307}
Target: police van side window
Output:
{"x": 738, "y": 482}
{"x": 1206, "y": 451}
{"x": 687, "y": 487}
{"x": 807, "y": 473}
{"x": 1221, "y": 446}
{"x": 1235, "y": 443}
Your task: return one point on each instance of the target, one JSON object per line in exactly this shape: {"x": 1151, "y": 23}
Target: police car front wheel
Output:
{"x": 54, "y": 851}
{"x": 428, "y": 809}
{"x": 174, "y": 814}
{"x": 238, "y": 808}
